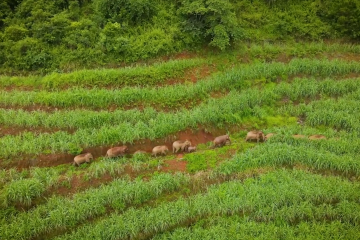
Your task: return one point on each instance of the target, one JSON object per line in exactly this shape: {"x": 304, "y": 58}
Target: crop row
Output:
{"x": 89, "y": 119}
{"x": 46, "y": 175}
{"x": 270, "y": 192}
{"x": 129, "y": 76}
{"x": 158, "y": 72}
{"x": 287, "y": 154}
{"x": 343, "y": 104}
{"x": 25, "y": 186}
{"x": 23, "y": 190}
{"x": 236, "y": 227}
{"x": 339, "y": 146}
{"x": 228, "y": 110}
{"x": 62, "y": 213}
{"x": 338, "y": 119}
{"x": 71, "y": 119}
{"x": 278, "y": 154}
{"x": 300, "y": 49}
{"x": 342, "y": 113}
{"x": 176, "y": 95}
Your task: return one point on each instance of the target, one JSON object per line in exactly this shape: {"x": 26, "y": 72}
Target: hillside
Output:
{"x": 291, "y": 71}
{"x": 301, "y": 183}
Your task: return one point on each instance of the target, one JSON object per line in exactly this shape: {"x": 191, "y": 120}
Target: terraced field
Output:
{"x": 302, "y": 183}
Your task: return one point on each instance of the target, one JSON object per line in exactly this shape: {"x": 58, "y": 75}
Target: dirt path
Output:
{"x": 47, "y": 160}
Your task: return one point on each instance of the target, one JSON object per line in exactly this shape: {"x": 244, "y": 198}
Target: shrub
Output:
{"x": 125, "y": 11}
{"x": 343, "y": 15}
{"x": 213, "y": 20}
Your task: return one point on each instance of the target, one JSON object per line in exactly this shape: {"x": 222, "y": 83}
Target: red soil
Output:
{"x": 344, "y": 56}
{"x": 175, "y": 165}
{"x": 192, "y": 75}
{"x": 199, "y": 73}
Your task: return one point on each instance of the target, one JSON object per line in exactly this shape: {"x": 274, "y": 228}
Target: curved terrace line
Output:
{"x": 230, "y": 110}
{"x": 17, "y": 121}
{"x": 177, "y": 95}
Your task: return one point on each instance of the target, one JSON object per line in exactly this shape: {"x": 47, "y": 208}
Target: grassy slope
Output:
{"x": 326, "y": 106}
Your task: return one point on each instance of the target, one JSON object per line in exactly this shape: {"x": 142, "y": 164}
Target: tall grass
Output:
{"x": 299, "y": 49}
{"x": 63, "y": 213}
{"x": 266, "y": 195}
{"x": 158, "y": 72}
{"x": 72, "y": 119}
{"x": 341, "y": 113}
{"x": 23, "y": 187}
{"x": 232, "y": 109}
{"x": 237, "y": 227}
{"x": 128, "y": 76}
{"x": 276, "y": 153}
{"x": 177, "y": 95}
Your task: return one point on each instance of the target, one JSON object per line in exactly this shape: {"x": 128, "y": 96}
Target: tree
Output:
{"x": 343, "y": 15}
{"x": 213, "y": 20}
{"x": 125, "y": 11}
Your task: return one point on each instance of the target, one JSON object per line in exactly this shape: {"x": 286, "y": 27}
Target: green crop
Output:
{"x": 22, "y": 187}
{"x": 276, "y": 154}
{"x": 158, "y": 72}
{"x": 23, "y": 191}
{"x": 62, "y": 213}
{"x": 237, "y": 227}
{"x": 232, "y": 109}
{"x": 342, "y": 113}
{"x": 270, "y": 192}
{"x": 128, "y": 76}
{"x": 178, "y": 95}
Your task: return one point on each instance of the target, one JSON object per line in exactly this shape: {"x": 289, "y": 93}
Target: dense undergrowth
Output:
{"x": 58, "y": 36}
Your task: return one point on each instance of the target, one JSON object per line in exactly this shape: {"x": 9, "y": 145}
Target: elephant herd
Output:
{"x": 184, "y": 146}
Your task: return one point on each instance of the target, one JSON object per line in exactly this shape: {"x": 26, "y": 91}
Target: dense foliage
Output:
{"x": 61, "y": 35}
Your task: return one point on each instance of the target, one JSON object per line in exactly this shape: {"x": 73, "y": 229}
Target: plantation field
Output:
{"x": 301, "y": 183}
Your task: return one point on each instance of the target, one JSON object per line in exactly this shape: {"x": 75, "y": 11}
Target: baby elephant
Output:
{"x": 159, "y": 149}
{"x": 85, "y": 157}
{"x": 116, "y": 151}
{"x": 183, "y": 145}
{"x": 191, "y": 149}
{"x": 269, "y": 136}
{"x": 252, "y": 135}
{"x": 221, "y": 140}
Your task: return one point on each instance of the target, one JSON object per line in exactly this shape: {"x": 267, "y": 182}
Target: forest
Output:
{"x": 42, "y": 36}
